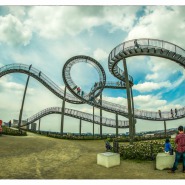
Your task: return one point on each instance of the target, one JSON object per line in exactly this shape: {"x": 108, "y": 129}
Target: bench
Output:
{"x": 108, "y": 159}
{"x": 164, "y": 161}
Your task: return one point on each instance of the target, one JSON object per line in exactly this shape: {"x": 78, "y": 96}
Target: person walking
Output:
{"x": 121, "y": 83}
{"x": 172, "y": 113}
{"x": 180, "y": 151}
{"x": 136, "y": 44}
{"x": 159, "y": 113}
{"x": 175, "y": 112}
{"x": 82, "y": 93}
{"x": 78, "y": 90}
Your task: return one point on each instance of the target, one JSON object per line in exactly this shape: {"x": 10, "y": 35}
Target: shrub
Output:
{"x": 10, "y": 131}
{"x": 144, "y": 150}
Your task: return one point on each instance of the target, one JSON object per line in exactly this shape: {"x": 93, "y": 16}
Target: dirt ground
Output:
{"x": 40, "y": 157}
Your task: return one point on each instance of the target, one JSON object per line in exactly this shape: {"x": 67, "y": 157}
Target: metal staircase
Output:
{"x": 108, "y": 122}
{"x": 151, "y": 47}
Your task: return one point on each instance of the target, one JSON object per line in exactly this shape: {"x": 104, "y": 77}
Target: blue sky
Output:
{"x": 47, "y": 36}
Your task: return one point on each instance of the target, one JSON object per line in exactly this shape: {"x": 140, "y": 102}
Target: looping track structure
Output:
{"x": 150, "y": 47}
{"x": 71, "y": 84}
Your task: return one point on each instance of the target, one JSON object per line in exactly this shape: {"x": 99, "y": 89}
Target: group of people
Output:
{"x": 171, "y": 111}
{"x": 79, "y": 91}
{"x": 180, "y": 149}
{"x": 96, "y": 85}
{"x": 119, "y": 83}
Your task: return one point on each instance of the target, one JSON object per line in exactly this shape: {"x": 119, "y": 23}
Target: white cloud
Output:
{"x": 118, "y": 100}
{"x": 13, "y": 31}
{"x": 18, "y": 11}
{"x": 151, "y": 86}
{"x": 154, "y": 103}
{"x": 148, "y": 102}
{"x": 6, "y": 85}
{"x": 162, "y": 69}
{"x": 100, "y": 54}
{"x": 120, "y": 18}
{"x": 56, "y": 21}
{"x": 161, "y": 22}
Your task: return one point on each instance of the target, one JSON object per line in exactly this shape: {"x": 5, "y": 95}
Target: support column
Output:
{"x": 116, "y": 125}
{"x": 39, "y": 125}
{"x": 63, "y": 109}
{"x": 165, "y": 128}
{"x": 101, "y": 116}
{"x": 93, "y": 120}
{"x": 21, "y": 110}
{"x": 27, "y": 126}
{"x": 129, "y": 102}
{"x": 80, "y": 127}
{"x": 134, "y": 123}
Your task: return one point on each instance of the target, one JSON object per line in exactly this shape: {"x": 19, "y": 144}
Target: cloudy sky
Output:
{"x": 47, "y": 36}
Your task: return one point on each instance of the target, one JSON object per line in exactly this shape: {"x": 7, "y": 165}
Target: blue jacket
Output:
{"x": 167, "y": 147}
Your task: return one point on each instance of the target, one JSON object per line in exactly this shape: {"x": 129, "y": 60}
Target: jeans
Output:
{"x": 177, "y": 158}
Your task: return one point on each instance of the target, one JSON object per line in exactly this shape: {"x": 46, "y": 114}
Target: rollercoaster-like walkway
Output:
{"x": 108, "y": 122}
{"x": 151, "y": 47}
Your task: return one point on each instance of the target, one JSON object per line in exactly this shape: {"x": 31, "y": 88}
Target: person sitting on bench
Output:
{"x": 108, "y": 146}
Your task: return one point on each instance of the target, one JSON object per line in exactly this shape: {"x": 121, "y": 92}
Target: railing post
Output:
{"x": 130, "y": 111}
{"x": 116, "y": 125}
{"x": 63, "y": 109}
{"x": 80, "y": 127}
{"x": 39, "y": 125}
{"x": 101, "y": 116}
{"x": 165, "y": 128}
{"x": 24, "y": 95}
{"x": 93, "y": 120}
{"x": 134, "y": 129}
{"x": 27, "y": 126}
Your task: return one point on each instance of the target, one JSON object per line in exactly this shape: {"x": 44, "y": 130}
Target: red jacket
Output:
{"x": 180, "y": 141}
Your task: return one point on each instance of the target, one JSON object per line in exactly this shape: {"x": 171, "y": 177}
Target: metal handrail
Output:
{"x": 77, "y": 114}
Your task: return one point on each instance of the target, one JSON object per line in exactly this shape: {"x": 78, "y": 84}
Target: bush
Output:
{"x": 10, "y": 131}
{"x": 144, "y": 150}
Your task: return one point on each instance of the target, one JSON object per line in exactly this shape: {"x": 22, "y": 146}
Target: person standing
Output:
{"x": 175, "y": 112}
{"x": 10, "y": 123}
{"x": 136, "y": 44}
{"x": 78, "y": 90}
{"x": 172, "y": 113}
{"x": 82, "y": 93}
{"x": 159, "y": 113}
{"x": 180, "y": 151}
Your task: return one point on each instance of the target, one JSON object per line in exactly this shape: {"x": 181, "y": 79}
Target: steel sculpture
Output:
{"x": 150, "y": 47}
{"x": 108, "y": 122}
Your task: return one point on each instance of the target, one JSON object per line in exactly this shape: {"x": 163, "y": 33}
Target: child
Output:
{"x": 107, "y": 145}
{"x": 167, "y": 146}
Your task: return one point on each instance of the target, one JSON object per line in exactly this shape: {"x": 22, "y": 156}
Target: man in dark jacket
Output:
{"x": 180, "y": 141}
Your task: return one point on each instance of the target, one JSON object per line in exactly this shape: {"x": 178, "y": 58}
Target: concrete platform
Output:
{"x": 108, "y": 159}
{"x": 164, "y": 161}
